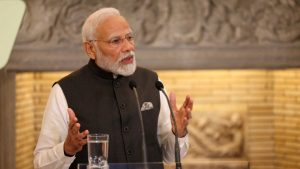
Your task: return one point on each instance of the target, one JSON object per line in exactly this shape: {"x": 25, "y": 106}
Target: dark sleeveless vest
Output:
{"x": 103, "y": 104}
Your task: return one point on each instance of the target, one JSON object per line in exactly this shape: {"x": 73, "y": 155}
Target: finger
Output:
{"x": 82, "y": 137}
{"x": 173, "y": 101}
{"x": 190, "y": 104}
{"x": 75, "y": 129}
{"x": 185, "y": 122}
{"x": 83, "y": 134}
{"x": 83, "y": 142}
{"x": 183, "y": 112}
{"x": 186, "y": 101}
{"x": 188, "y": 113}
{"x": 71, "y": 114}
{"x": 72, "y": 117}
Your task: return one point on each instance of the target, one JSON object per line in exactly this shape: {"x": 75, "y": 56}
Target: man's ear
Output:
{"x": 90, "y": 49}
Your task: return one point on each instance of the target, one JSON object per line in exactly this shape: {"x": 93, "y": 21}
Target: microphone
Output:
{"x": 132, "y": 85}
{"x": 160, "y": 87}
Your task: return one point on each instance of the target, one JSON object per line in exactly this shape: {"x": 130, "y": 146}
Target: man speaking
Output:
{"x": 98, "y": 98}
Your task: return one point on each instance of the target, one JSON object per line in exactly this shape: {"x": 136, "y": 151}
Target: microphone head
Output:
{"x": 159, "y": 85}
{"x": 132, "y": 84}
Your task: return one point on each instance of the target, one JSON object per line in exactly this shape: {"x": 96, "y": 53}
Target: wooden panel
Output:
{"x": 7, "y": 119}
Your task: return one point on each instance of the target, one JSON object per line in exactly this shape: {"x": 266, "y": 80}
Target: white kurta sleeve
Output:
{"x": 49, "y": 153}
{"x": 165, "y": 135}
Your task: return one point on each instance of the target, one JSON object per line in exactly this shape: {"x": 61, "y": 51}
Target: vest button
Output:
{"x": 129, "y": 152}
{"x": 123, "y": 106}
{"x": 126, "y": 129}
{"x": 116, "y": 84}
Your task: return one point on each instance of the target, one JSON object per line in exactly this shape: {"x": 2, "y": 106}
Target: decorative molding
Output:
{"x": 192, "y": 34}
{"x": 168, "y": 23}
{"x": 247, "y": 57}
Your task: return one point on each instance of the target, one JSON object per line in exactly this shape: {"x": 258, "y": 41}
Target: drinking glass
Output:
{"x": 97, "y": 150}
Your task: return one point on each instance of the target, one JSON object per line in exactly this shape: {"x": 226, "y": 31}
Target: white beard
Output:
{"x": 117, "y": 68}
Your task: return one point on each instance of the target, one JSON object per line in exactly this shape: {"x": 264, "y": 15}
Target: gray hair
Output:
{"x": 89, "y": 27}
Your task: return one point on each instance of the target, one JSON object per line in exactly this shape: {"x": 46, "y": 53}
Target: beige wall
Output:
{"x": 248, "y": 92}
{"x": 287, "y": 118}
{"x": 32, "y": 91}
{"x": 25, "y": 126}
{"x": 268, "y": 99}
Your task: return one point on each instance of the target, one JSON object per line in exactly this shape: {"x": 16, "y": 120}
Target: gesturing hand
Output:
{"x": 75, "y": 140}
{"x": 182, "y": 115}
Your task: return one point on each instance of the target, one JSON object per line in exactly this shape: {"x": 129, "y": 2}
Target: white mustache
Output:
{"x": 126, "y": 55}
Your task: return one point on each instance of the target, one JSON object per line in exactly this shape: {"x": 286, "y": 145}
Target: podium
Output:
{"x": 201, "y": 164}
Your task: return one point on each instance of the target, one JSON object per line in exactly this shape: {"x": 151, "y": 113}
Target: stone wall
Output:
{"x": 184, "y": 34}
{"x": 232, "y": 119}
{"x": 287, "y": 118}
{"x": 238, "y": 104}
{"x": 254, "y": 110}
{"x": 257, "y": 109}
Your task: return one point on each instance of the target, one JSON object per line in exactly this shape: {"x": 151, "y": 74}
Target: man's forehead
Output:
{"x": 113, "y": 26}
{"x": 120, "y": 33}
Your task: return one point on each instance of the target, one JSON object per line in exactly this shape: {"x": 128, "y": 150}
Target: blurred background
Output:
{"x": 238, "y": 59}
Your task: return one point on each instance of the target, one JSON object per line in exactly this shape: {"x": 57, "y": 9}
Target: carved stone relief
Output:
{"x": 167, "y": 23}
{"x": 216, "y": 135}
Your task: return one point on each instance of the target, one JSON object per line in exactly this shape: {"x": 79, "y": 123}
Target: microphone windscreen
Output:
{"x": 132, "y": 84}
{"x": 159, "y": 85}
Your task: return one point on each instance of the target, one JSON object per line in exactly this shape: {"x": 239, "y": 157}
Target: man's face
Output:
{"x": 115, "y": 46}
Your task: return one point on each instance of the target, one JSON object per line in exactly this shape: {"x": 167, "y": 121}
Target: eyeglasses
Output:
{"x": 116, "y": 42}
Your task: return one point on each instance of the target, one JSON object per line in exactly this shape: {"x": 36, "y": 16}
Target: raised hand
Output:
{"x": 75, "y": 140}
{"x": 182, "y": 115}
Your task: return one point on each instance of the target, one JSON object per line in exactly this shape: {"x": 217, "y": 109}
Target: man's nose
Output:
{"x": 127, "y": 45}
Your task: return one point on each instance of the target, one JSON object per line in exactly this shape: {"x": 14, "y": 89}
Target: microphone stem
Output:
{"x": 142, "y": 127}
{"x": 177, "y": 149}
